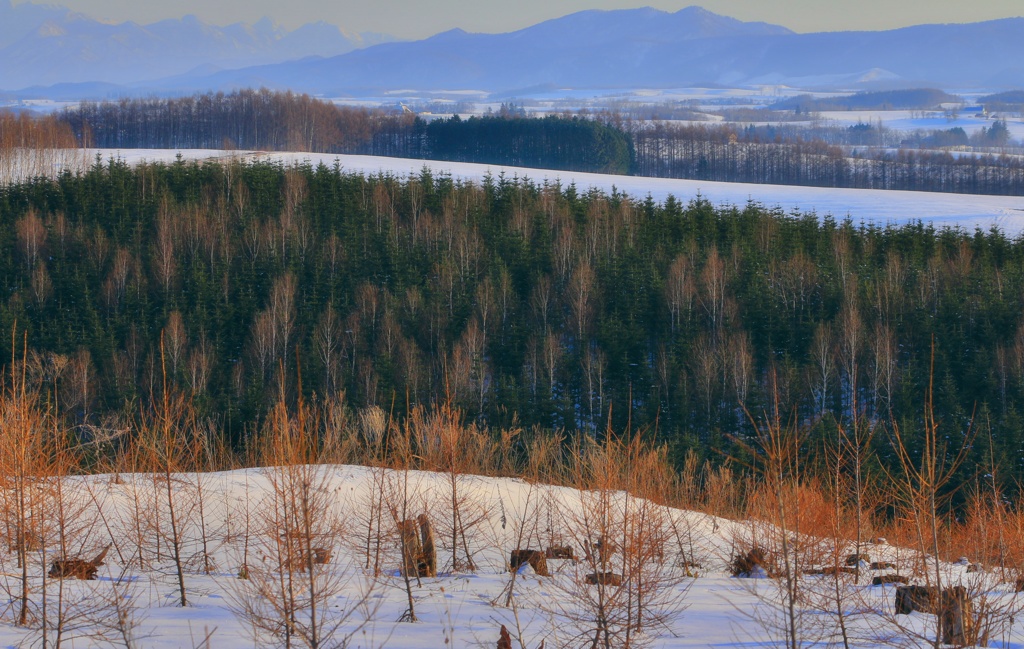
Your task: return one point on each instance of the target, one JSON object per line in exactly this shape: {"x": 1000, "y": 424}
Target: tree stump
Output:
{"x": 428, "y": 559}
{"x": 537, "y": 560}
{"x": 604, "y": 579}
{"x": 72, "y": 569}
{"x": 888, "y": 579}
{"x": 916, "y": 598}
{"x": 77, "y": 568}
{"x": 560, "y": 552}
{"x": 419, "y": 554}
{"x": 412, "y": 548}
{"x": 956, "y": 619}
{"x": 744, "y": 565}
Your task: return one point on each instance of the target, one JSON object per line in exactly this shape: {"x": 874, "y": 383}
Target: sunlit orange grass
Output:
{"x": 812, "y": 510}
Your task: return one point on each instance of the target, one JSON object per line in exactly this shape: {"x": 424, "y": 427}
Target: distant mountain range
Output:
{"x": 622, "y": 49}
{"x": 42, "y": 45}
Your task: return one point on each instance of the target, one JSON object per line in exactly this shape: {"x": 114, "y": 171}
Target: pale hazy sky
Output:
{"x": 421, "y": 18}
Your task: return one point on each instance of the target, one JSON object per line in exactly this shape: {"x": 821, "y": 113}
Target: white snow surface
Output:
{"x": 456, "y": 609}
{"x": 880, "y": 207}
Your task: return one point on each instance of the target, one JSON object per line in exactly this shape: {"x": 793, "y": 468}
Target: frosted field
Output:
{"x": 459, "y": 608}
{"x": 861, "y": 205}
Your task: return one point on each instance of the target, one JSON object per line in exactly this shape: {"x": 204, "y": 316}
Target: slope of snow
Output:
{"x": 457, "y": 609}
{"x": 880, "y": 207}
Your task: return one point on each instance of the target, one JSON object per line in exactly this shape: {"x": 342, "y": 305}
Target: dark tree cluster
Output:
{"x": 569, "y": 143}
{"x": 521, "y": 304}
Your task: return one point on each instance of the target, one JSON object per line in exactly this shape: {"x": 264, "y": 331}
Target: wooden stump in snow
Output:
{"x": 888, "y": 579}
{"x": 604, "y": 579}
{"x": 750, "y": 563}
{"x": 419, "y": 554}
{"x": 560, "y": 552}
{"x": 412, "y": 548}
{"x": 537, "y": 560}
{"x": 428, "y": 557}
{"x": 916, "y": 598}
{"x": 956, "y": 619}
{"x": 77, "y": 568}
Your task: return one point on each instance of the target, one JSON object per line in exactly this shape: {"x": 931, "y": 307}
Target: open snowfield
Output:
{"x": 861, "y": 205}
{"x": 462, "y": 608}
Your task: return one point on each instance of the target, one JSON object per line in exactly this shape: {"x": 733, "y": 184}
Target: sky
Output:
{"x": 421, "y": 18}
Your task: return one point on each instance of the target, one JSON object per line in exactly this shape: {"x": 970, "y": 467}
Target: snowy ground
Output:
{"x": 460, "y": 608}
{"x": 861, "y": 205}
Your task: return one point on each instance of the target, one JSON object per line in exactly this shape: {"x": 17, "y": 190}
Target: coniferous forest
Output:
{"x": 522, "y": 305}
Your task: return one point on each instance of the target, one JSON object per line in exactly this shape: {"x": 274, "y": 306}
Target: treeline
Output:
{"x": 860, "y": 156}
{"x": 876, "y": 135}
{"x": 730, "y": 154}
{"x": 1009, "y": 101}
{"x": 31, "y": 146}
{"x": 244, "y": 119}
{"x": 265, "y": 120}
{"x": 522, "y": 305}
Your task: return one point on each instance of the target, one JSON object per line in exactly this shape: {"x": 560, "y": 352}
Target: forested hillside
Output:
{"x": 911, "y": 99}
{"x": 521, "y": 304}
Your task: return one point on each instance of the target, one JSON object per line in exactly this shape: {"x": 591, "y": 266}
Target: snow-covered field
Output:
{"x": 459, "y": 608}
{"x": 861, "y": 205}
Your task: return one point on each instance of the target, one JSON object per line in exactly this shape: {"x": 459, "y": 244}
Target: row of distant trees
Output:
{"x": 730, "y": 154}
{"x": 862, "y": 156}
{"x": 249, "y": 119}
{"x": 265, "y": 120}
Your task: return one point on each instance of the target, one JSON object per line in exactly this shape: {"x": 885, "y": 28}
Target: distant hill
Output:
{"x": 591, "y": 49}
{"x": 916, "y": 99}
{"x": 45, "y": 45}
{"x": 1012, "y": 100}
{"x": 645, "y": 48}
{"x": 595, "y": 50}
